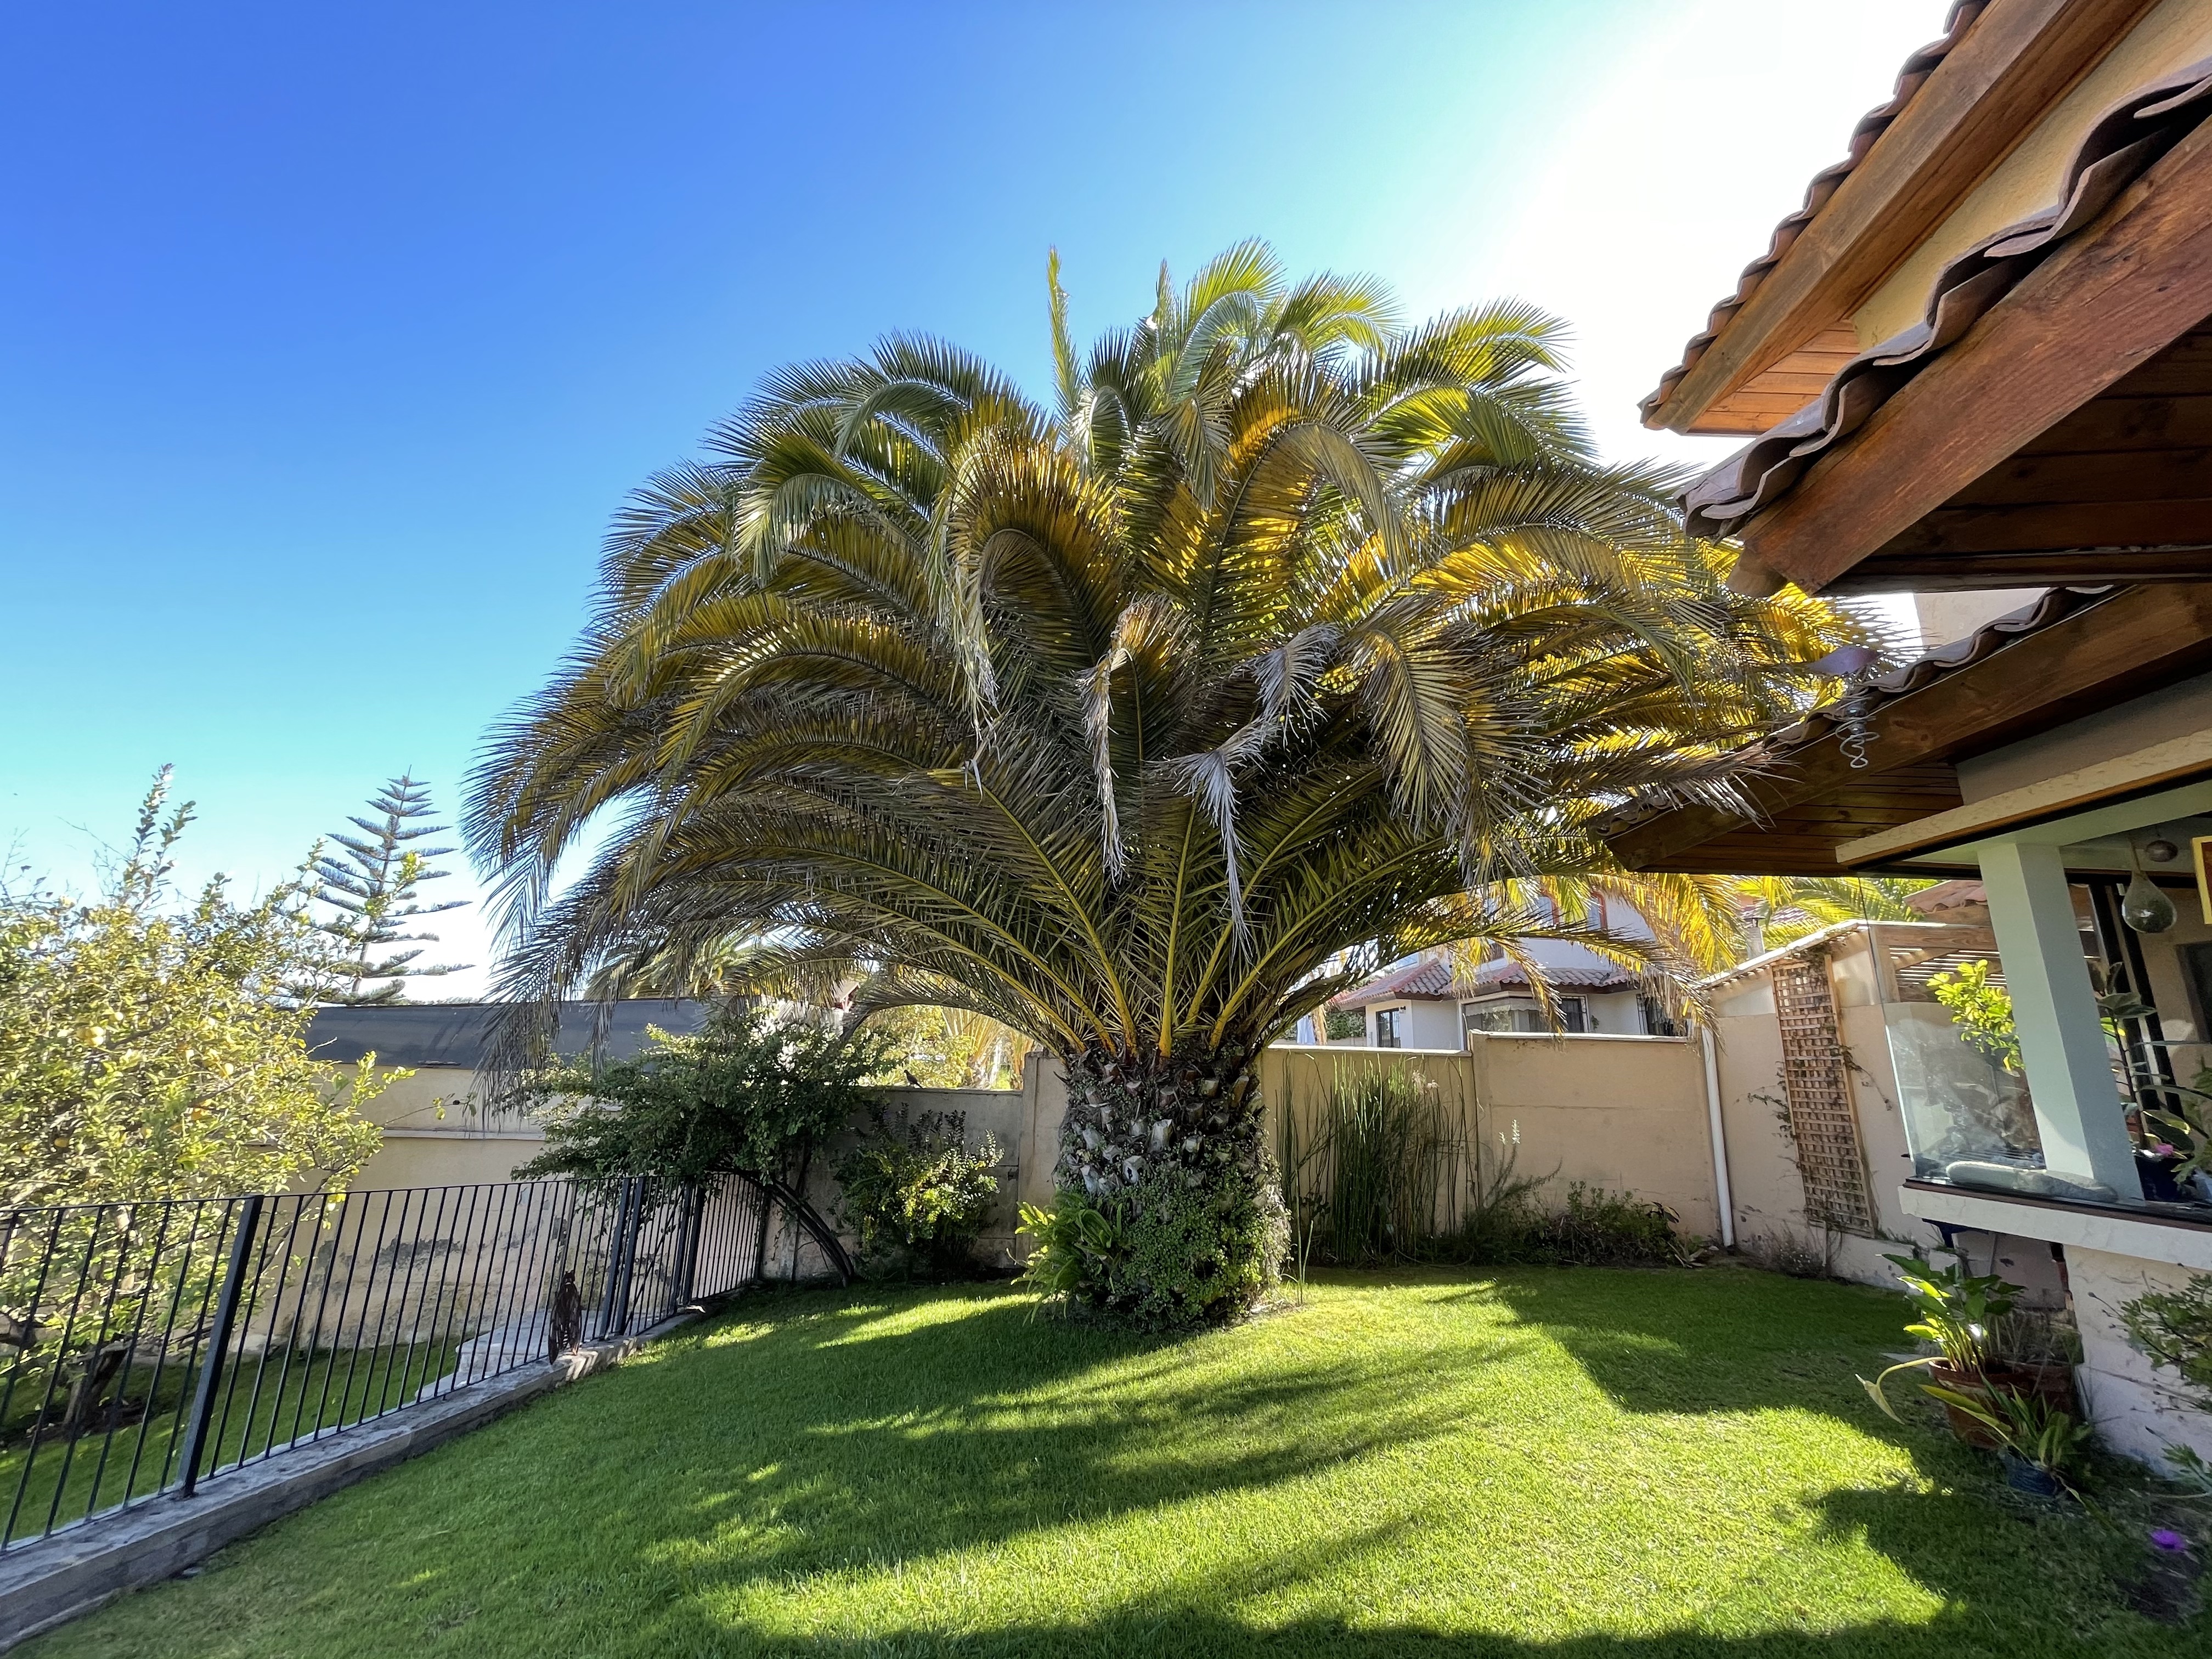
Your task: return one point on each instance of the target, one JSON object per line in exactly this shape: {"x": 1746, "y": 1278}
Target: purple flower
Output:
{"x": 2163, "y": 1149}
{"x": 2169, "y": 1540}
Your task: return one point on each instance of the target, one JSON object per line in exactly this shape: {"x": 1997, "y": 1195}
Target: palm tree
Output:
{"x": 1281, "y": 639}
{"x": 1782, "y": 909}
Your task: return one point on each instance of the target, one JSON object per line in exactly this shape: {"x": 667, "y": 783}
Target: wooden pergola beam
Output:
{"x": 2104, "y": 303}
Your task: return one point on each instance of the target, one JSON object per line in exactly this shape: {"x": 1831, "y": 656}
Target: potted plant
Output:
{"x": 1959, "y": 1312}
{"x": 2041, "y": 1445}
{"x": 2032, "y": 1352}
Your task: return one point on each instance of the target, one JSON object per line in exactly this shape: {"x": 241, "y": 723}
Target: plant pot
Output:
{"x": 2037, "y": 1482}
{"x": 2156, "y": 1171}
{"x": 2051, "y": 1382}
{"x": 1964, "y": 1427}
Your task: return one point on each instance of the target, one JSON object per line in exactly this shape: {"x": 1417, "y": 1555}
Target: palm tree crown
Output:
{"x": 1288, "y": 631}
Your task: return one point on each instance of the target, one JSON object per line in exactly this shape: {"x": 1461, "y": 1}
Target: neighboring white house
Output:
{"x": 1420, "y": 1002}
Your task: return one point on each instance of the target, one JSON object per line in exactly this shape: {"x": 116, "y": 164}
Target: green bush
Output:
{"x": 914, "y": 1193}
{"x": 1599, "y": 1229}
{"x": 1170, "y": 1255}
{"x": 1594, "y": 1229}
{"x": 747, "y": 1091}
{"x": 2173, "y": 1328}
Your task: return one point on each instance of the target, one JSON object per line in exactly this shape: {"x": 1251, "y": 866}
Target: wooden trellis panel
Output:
{"x": 1821, "y": 1120}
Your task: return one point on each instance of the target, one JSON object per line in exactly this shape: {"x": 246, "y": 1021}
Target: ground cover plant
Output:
{"x": 1286, "y": 637}
{"x": 1592, "y": 1463}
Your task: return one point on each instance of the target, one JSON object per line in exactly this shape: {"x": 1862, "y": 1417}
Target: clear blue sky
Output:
{"x": 331, "y": 336}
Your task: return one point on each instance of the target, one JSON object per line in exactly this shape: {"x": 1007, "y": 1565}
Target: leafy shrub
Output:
{"x": 1170, "y": 1255}
{"x": 1508, "y": 1225}
{"x": 1073, "y": 1242}
{"x": 1599, "y": 1229}
{"x": 2173, "y": 1328}
{"x": 1981, "y": 1011}
{"x": 747, "y": 1092}
{"x": 914, "y": 1194}
{"x": 153, "y": 1044}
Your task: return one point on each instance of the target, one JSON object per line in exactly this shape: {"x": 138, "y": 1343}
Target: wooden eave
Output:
{"x": 1810, "y": 801}
{"x": 2119, "y": 489}
{"x": 2014, "y": 61}
{"x": 2050, "y": 419}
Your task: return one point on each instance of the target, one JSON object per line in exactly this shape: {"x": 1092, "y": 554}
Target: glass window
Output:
{"x": 1386, "y": 1028}
{"x": 1965, "y": 1109}
{"x": 1522, "y": 1014}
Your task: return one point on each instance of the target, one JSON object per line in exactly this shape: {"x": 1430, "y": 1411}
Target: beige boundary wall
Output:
{"x": 1625, "y": 1113}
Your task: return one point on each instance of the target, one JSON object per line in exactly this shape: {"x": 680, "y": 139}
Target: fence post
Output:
{"x": 629, "y": 1221}
{"x": 616, "y": 1230}
{"x": 687, "y": 1272}
{"x": 226, "y": 1316}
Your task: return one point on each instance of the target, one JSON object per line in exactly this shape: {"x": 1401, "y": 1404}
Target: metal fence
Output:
{"x": 149, "y": 1347}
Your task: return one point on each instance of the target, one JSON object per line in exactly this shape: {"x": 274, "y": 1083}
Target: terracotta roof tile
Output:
{"x": 2120, "y": 145}
{"x": 1432, "y": 982}
{"x": 1871, "y": 126}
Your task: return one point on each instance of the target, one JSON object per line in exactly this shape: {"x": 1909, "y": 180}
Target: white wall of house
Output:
{"x": 1422, "y": 1022}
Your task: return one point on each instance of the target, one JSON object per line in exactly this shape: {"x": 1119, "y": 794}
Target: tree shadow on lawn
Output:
{"x": 823, "y": 1438}
{"x": 1190, "y": 1619}
{"x": 968, "y": 1431}
{"x": 1717, "y": 1340}
{"x": 971, "y": 1431}
{"x": 1688, "y": 1349}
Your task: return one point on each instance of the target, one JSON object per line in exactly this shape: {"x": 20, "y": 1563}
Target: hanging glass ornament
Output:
{"x": 2144, "y": 908}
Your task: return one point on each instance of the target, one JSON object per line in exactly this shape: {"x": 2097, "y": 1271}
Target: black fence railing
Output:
{"x": 148, "y": 1347}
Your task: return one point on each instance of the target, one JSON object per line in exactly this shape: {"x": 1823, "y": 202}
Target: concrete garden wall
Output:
{"x": 1624, "y": 1113}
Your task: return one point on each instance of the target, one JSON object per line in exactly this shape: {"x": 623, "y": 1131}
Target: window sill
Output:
{"x": 2148, "y": 1234}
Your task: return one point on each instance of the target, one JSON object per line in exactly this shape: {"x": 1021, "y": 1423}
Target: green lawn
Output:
{"x": 1569, "y": 1461}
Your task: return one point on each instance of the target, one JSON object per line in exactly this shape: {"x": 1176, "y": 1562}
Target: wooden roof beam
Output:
{"x": 2104, "y": 303}
{"x": 2137, "y": 640}
{"x": 2019, "y": 58}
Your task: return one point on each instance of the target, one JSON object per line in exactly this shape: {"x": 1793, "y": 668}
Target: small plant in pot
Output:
{"x": 1958, "y": 1313}
{"x": 2042, "y": 1445}
{"x": 2032, "y": 1351}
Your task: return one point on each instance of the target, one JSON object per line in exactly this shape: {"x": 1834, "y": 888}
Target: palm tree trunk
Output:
{"x": 1173, "y": 1149}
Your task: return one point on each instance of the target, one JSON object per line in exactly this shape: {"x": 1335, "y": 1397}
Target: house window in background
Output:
{"x": 1522, "y": 1014}
{"x": 1387, "y": 1028}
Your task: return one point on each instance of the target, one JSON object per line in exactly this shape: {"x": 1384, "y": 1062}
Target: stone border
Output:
{"x": 56, "y": 1580}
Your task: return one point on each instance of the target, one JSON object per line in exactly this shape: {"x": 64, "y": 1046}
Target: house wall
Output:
{"x": 2171, "y": 36}
{"x": 2137, "y": 1408}
{"x": 1768, "y": 1192}
{"x": 1423, "y": 1023}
